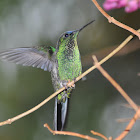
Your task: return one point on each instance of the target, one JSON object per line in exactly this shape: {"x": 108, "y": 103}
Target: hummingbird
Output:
{"x": 63, "y": 61}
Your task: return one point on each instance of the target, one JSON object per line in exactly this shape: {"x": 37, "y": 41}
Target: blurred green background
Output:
{"x": 94, "y": 104}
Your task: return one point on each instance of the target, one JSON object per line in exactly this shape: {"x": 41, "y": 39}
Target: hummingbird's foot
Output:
{"x": 68, "y": 85}
{"x": 71, "y": 85}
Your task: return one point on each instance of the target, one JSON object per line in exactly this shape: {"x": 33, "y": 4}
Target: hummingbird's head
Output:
{"x": 69, "y": 38}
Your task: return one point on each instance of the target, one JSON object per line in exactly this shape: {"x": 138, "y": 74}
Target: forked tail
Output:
{"x": 60, "y": 112}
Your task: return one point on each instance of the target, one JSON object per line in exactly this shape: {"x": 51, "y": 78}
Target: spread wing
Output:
{"x": 39, "y": 56}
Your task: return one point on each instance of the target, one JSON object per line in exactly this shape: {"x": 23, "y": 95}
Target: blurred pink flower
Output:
{"x": 129, "y": 5}
{"x": 122, "y": 3}
{"x": 139, "y": 4}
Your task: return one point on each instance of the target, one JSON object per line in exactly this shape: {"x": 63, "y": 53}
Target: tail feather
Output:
{"x": 60, "y": 113}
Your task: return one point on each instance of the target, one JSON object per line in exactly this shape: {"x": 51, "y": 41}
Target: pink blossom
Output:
{"x": 110, "y": 5}
{"x": 129, "y": 5}
{"x": 122, "y": 3}
{"x": 139, "y": 4}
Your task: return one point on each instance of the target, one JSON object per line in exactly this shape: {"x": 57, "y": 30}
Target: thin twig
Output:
{"x": 99, "y": 134}
{"x": 9, "y": 121}
{"x": 115, "y": 84}
{"x": 112, "y": 20}
{"x": 124, "y": 94}
{"x": 129, "y": 126}
{"x": 69, "y": 133}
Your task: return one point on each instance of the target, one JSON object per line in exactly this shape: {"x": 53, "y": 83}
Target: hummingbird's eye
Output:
{"x": 66, "y": 35}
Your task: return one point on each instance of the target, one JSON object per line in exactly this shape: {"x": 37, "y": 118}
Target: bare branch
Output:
{"x": 112, "y": 20}
{"x": 129, "y": 126}
{"x": 124, "y": 94}
{"x": 9, "y": 121}
{"x": 69, "y": 133}
{"x": 115, "y": 84}
{"x": 99, "y": 134}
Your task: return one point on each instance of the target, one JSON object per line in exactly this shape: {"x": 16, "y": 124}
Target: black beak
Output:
{"x": 76, "y": 32}
{"x": 86, "y": 25}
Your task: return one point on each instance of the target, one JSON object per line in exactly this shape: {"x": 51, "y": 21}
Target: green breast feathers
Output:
{"x": 69, "y": 63}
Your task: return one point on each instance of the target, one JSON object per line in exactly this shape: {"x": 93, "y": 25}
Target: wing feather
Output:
{"x": 39, "y": 56}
